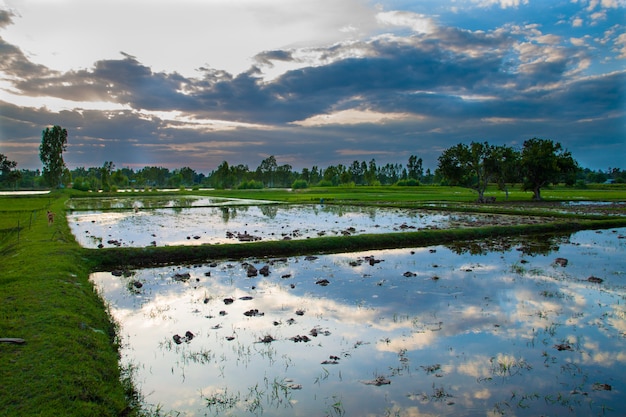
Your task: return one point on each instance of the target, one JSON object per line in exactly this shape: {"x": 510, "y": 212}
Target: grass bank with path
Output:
{"x": 68, "y": 364}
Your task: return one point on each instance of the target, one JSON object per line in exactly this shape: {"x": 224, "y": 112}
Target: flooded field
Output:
{"x": 532, "y": 328}
{"x": 194, "y": 221}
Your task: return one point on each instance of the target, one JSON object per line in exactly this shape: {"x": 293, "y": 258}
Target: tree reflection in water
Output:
{"x": 528, "y": 245}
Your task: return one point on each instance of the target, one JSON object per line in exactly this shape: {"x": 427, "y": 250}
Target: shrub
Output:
{"x": 299, "y": 184}
{"x": 411, "y": 182}
{"x": 580, "y": 184}
{"x": 250, "y": 185}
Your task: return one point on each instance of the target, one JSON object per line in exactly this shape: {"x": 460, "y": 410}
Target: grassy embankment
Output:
{"x": 69, "y": 363}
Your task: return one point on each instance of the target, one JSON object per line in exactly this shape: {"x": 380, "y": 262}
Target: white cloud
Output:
{"x": 418, "y": 23}
{"x": 613, "y": 4}
{"x": 620, "y": 46}
{"x": 502, "y": 3}
{"x": 352, "y": 117}
{"x": 180, "y": 36}
{"x": 597, "y": 16}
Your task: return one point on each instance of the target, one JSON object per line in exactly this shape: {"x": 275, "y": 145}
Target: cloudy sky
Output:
{"x": 197, "y": 82}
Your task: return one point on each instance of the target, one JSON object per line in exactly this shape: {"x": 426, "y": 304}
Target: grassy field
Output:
{"x": 425, "y": 194}
{"x": 68, "y": 364}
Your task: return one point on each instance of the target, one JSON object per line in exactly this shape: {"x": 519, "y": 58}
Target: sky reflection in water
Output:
{"x": 453, "y": 333}
{"x": 158, "y": 222}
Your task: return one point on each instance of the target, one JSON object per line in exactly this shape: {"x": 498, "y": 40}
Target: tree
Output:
{"x": 415, "y": 170}
{"x": 6, "y": 165}
{"x": 105, "y": 175}
{"x": 473, "y": 166}
{"x": 505, "y": 166}
{"x": 356, "y": 171}
{"x": 222, "y": 178}
{"x": 284, "y": 176}
{"x": 370, "y": 172}
{"x": 544, "y": 162}
{"x": 8, "y": 173}
{"x": 267, "y": 169}
{"x": 53, "y": 143}
{"x": 187, "y": 175}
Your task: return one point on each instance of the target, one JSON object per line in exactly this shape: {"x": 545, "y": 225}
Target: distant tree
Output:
{"x": 221, "y": 177}
{"x": 120, "y": 179}
{"x": 105, "y": 175}
{"x": 316, "y": 175}
{"x": 370, "y": 172}
{"x": 6, "y": 166}
{"x": 414, "y": 168}
{"x": 53, "y": 144}
{"x": 428, "y": 177}
{"x": 9, "y": 175}
{"x": 305, "y": 175}
{"x": 332, "y": 175}
{"x": 267, "y": 169}
{"x": 187, "y": 175}
{"x": 544, "y": 162}
{"x": 472, "y": 166}
{"x": 283, "y": 176}
{"x": 356, "y": 170}
{"x": 154, "y": 176}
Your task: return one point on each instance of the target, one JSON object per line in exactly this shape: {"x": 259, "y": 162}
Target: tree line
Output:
{"x": 538, "y": 163}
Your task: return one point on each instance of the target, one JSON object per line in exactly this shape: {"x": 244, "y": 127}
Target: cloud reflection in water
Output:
{"x": 478, "y": 338}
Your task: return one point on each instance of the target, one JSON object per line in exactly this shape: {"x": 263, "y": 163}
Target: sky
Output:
{"x": 193, "y": 83}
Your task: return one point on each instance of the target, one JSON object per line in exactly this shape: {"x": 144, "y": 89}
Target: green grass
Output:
{"x": 421, "y": 194}
{"x": 69, "y": 363}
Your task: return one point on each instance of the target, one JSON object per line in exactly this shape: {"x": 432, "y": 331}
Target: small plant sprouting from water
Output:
{"x": 222, "y": 401}
{"x": 505, "y": 365}
{"x": 431, "y": 369}
{"x": 518, "y": 269}
{"x": 336, "y": 408}
{"x": 438, "y": 394}
{"x": 280, "y": 392}
{"x": 201, "y": 357}
{"x": 253, "y": 400}
{"x": 322, "y": 377}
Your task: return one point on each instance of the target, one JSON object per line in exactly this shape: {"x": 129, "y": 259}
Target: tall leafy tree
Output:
{"x": 473, "y": 166}
{"x": 505, "y": 166}
{"x": 53, "y": 144}
{"x": 267, "y": 169}
{"x": 415, "y": 169}
{"x": 544, "y": 162}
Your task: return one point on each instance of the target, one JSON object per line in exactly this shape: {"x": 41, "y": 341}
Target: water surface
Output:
{"x": 163, "y": 221}
{"x": 460, "y": 331}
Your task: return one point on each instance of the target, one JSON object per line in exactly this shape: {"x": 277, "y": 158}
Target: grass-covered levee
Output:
{"x": 60, "y": 355}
